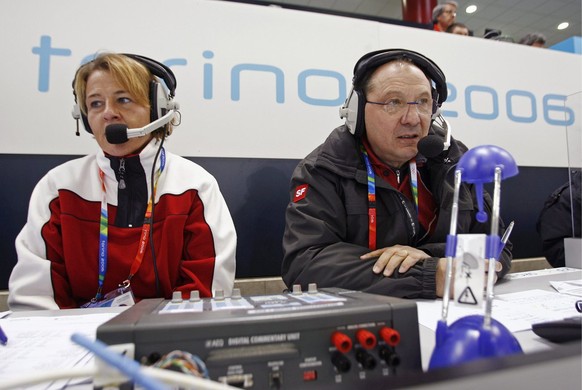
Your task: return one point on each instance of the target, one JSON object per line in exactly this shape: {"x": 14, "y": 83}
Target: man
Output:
{"x": 368, "y": 211}
{"x": 459, "y": 29}
{"x": 556, "y": 220}
{"x": 443, "y": 15}
{"x": 533, "y": 39}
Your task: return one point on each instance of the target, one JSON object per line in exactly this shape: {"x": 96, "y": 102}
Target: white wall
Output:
{"x": 494, "y": 85}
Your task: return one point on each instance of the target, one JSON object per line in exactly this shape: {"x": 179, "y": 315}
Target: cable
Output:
{"x": 166, "y": 376}
{"x": 128, "y": 367}
{"x": 153, "y": 200}
{"x": 182, "y": 361}
{"x": 177, "y": 378}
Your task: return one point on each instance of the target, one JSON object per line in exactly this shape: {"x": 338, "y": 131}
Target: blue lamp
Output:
{"x": 474, "y": 337}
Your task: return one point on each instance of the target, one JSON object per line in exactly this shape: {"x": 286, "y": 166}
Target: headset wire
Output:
{"x": 153, "y": 200}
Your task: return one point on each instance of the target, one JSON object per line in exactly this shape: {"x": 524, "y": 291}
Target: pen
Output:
{"x": 507, "y": 233}
{"x": 3, "y": 338}
{"x": 505, "y": 238}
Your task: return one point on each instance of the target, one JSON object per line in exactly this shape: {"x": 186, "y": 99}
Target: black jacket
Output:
{"x": 327, "y": 231}
{"x": 556, "y": 218}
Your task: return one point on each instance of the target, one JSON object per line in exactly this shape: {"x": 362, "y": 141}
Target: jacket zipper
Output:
{"x": 410, "y": 218}
{"x": 122, "y": 174}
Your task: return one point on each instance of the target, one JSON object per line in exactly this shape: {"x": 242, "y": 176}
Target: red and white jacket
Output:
{"x": 194, "y": 235}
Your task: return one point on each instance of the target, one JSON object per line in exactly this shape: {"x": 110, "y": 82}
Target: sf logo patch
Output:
{"x": 300, "y": 192}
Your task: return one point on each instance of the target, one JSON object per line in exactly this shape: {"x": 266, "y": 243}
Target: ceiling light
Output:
{"x": 470, "y": 9}
{"x": 563, "y": 25}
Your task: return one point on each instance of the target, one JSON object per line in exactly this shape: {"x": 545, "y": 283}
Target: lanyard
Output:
{"x": 145, "y": 231}
{"x": 372, "y": 195}
{"x": 414, "y": 183}
{"x": 371, "y": 200}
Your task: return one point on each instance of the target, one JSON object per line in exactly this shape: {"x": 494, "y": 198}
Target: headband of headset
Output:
{"x": 371, "y": 61}
{"x": 159, "y": 70}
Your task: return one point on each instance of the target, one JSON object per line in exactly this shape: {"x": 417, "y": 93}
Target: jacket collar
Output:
{"x": 145, "y": 158}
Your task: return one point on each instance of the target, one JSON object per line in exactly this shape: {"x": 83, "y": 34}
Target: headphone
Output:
{"x": 161, "y": 100}
{"x": 354, "y": 107}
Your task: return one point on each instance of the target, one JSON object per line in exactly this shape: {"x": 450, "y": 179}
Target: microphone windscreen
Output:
{"x": 116, "y": 133}
{"x": 431, "y": 146}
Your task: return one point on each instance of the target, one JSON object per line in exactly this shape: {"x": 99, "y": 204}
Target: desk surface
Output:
{"x": 516, "y": 282}
{"x": 539, "y": 279}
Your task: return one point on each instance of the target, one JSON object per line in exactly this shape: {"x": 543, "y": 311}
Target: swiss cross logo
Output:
{"x": 300, "y": 192}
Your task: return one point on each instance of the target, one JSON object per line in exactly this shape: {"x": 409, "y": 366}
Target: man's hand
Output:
{"x": 390, "y": 258}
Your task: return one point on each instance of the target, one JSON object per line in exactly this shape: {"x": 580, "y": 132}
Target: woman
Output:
{"x": 89, "y": 236}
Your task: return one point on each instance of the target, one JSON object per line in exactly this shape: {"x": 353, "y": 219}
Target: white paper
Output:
{"x": 572, "y": 287}
{"x": 38, "y": 344}
{"x": 516, "y": 311}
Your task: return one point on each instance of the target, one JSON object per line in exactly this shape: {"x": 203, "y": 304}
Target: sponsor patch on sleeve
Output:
{"x": 300, "y": 192}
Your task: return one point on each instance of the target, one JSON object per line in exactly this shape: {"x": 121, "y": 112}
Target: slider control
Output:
{"x": 194, "y": 296}
{"x": 219, "y": 295}
{"x": 297, "y": 289}
{"x": 176, "y": 297}
{"x": 312, "y": 288}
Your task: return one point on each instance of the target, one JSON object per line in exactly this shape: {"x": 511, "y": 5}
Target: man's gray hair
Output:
{"x": 531, "y": 38}
{"x": 440, "y": 8}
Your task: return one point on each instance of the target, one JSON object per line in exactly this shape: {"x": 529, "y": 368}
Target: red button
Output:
{"x": 309, "y": 376}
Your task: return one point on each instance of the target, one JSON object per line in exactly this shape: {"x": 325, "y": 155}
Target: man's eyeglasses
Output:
{"x": 399, "y": 107}
{"x": 450, "y": 12}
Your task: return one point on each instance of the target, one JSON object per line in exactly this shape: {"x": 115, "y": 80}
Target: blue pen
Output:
{"x": 3, "y": 338}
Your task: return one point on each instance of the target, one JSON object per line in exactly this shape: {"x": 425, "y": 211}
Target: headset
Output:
{"x": 354, "y": 107}
{"x": 160, "y": 97}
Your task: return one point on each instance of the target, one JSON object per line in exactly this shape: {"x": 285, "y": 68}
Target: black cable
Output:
{"x": 153, "y": 200}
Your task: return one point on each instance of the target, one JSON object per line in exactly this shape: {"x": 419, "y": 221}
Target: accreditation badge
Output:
{"x": 122, "y": 296}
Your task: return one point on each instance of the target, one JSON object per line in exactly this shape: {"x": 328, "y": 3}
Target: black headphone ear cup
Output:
{"x": 77, "y": 114}
{"x": 360, "y": 126}
{"x": 154, "y": 110}
{"x": 86, "y": 123}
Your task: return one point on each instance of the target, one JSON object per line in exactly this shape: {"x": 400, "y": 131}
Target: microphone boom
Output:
{"x": 118, "y": 133}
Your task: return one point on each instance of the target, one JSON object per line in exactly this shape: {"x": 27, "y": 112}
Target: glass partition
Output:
{"x": 573, "y": 243}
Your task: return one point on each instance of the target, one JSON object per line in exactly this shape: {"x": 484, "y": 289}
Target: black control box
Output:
{"x": 318, "y": 339}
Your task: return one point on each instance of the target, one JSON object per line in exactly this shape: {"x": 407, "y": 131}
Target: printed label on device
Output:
{"x": 469, "y": 281}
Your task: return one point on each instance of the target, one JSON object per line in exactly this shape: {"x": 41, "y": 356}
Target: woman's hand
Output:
{"x": 390, "y": 258}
